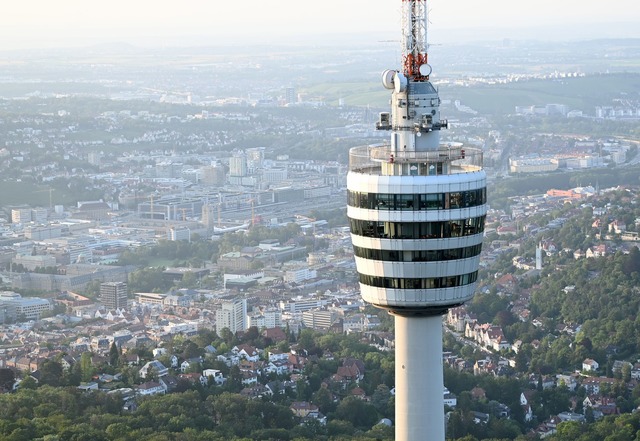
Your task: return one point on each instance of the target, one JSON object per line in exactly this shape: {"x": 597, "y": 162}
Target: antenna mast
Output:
{"x": 414, "y": 39}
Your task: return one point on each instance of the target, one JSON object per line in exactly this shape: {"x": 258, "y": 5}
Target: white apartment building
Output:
{"x": 301, "y": 305}
{"x": 299, "y": 275}
{"x": 176, "y": 234}
{"x": 266, "y": 319}
{"x": 274, "y": 175}
{"x": 232, "y": 315}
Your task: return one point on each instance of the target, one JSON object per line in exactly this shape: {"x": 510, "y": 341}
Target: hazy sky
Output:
{"x": 46, "y": 23}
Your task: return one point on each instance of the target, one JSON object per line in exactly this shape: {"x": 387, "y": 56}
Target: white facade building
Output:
{"x": 267, "y": 319}
{"x": 238, "y": 166}
{"x": 300, "y": 275}
{"x": 300, "y": 305}
{"x": 176, "y": 234}
{"x": 274, "y": 175}
{"x": 21, "y": 215}
{"x": 232, "y": 315}
{"x": 29, "y": 308}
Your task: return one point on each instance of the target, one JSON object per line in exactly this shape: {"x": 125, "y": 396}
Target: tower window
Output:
{"x": 417, "y": 202}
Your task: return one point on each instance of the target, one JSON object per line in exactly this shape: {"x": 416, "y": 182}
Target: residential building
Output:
{"x": 232, "y": 315}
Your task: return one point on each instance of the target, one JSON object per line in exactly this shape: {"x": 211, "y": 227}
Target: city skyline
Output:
{"x": 39, "y": 24}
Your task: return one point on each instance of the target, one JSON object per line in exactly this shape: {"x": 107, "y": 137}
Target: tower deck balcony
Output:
{"x": 386, "y": 160}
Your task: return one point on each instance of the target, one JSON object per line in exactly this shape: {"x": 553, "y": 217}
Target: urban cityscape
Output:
{"x": 223, "y": 242}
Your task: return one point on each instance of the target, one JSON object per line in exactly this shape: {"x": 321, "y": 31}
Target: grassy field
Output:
{"x": 157, "y": 262}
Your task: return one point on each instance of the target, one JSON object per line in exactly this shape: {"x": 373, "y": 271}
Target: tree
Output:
{"x": 226, "y": 335}
{"x": 310, "y": 429}
{"x": 323, "y": 398}
{"x": 234, "y": 412}
{"x": 251, "y": 335}
{"x": 380, "y": 398}
{"x": 118, "y": 431}
{"x": 92, "y": 289}
{"x": 588, "y": 415}
{"x": 7, "y": 379}
{"x": 130, "y": 375}
{"x": 632, "y": 261}
{"x": 148, "y": 280}
{"x": 189, "y": 280}
{"x": 51, "y": 373}
{"x": 501, "y": 428}
{"x": 191, "y": 350}
{"x": 204, "y": 337}
{"x": 381, "y": 431}
{"x": 339, "y": 427}
{"x": 28, "y": 382}
{"x": 306, "y": 340}
{"x": 114, "y": 354}
{"x": 86, "y": 366}
{"x": 73, "y": 375}
{"x": 303, "y": 390}
{"x": 357, "y": 412}
{"x": 456, "y": 424}
{"x": 626, "y": 372}
{"x": 234, "y": 381}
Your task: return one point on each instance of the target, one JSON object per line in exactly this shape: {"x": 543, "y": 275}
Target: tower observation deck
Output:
{"x": 416, "y": 209}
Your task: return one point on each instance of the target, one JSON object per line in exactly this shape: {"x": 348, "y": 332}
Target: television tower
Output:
{"x": 416, "y": 210}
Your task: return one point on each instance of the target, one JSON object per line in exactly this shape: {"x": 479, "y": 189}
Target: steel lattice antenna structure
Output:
{"x": 416, "y": 210}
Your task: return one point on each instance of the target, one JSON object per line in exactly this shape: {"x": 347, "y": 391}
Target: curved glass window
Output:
{"x": 417, "y": 230}
{"x": 417, "y": 255}
{"x": 417, "y": 202}
{"x": 426, "y": 283}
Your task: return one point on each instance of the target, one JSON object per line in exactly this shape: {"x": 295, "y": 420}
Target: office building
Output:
{"x": 15, "y": 307}
{"x": 114, "y": 295}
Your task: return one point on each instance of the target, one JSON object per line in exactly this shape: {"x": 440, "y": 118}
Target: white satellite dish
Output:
{"x": 399, "y": 82}
{"x": 387, "y": 78}
{"x": 425, "y": 70}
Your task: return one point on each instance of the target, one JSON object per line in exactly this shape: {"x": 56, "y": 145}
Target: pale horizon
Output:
{"x": 34, "y": 24}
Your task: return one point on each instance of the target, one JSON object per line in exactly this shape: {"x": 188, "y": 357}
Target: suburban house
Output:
{"x": 153, "y": 367}
{"x": 214, "y": 374}
{"x": 590, "y": 365}
{"x": 150, "y": 388}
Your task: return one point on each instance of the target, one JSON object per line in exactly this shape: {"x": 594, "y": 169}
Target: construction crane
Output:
{"x": 50, "y": 190}
{"x": 254, "y": 218}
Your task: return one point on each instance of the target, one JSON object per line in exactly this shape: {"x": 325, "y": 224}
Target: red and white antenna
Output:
{"x": 414, "y": 40}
